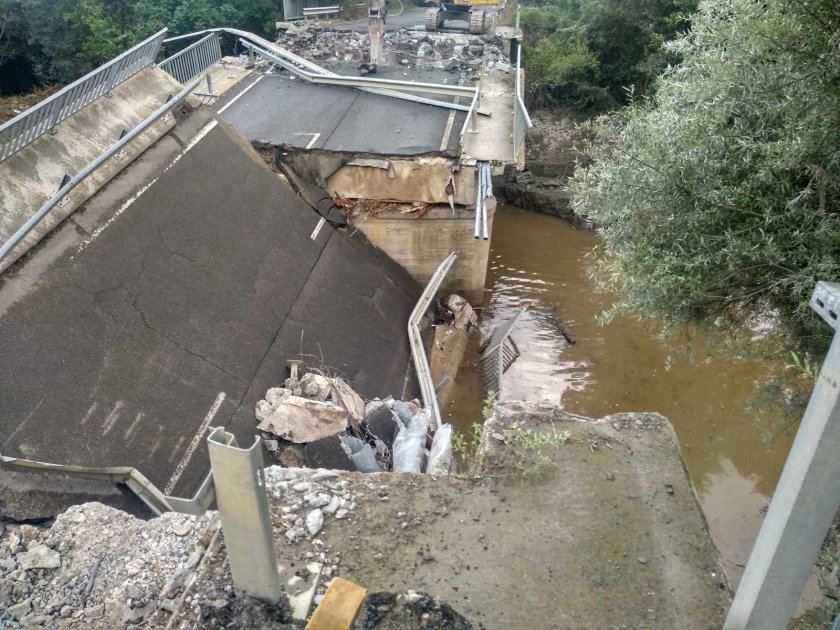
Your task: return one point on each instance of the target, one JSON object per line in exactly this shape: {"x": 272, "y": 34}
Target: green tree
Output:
{"x": 719, "y": 197}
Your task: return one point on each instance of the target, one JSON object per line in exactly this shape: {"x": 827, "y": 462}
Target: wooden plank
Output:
{"x": 338, "y": 609}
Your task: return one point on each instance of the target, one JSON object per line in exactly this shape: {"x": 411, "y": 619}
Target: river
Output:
{"x": 734, "y": 453}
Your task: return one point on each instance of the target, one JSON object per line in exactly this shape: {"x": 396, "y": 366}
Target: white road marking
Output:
{"x": 89, "y": 413}
{"x": 133, "y": 426}
{"x": 111, "y": 418}
{"x": 314, "y": 135}
{"x": 241, "y": 94}
{"x": 179, "y": 469}
{"x": 449, "y": 121}
{"x": 194, "y": 141}
{"x": 318, "y": 228}
{"x": 177, "y": 447}
{"x": 157, "y": 441}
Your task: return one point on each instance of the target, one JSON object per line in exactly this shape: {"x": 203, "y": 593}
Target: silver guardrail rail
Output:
{"x": 194, "y": 59}
{"x": 43, "y": 117}
{"x": 521, "y": 119}
{"x": 418, "y": 352}
{"x": 74, "y": 181}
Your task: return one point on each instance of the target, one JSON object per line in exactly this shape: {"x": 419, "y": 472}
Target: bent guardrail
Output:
{"x": 74, "y": 181}
{"x": 194, "y": 59}
{"x": 418, "y": 353}
{"x": 43, "y": 117}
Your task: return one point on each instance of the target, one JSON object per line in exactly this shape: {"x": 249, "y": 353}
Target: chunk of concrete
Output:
{"x": 39, "y": 557}
{"x": 327, "y": 453}
{"x": 316, "y": 386}
{"x": 344, "y": 396}
{"x": 300, "y": 420}
{"x": 382, "y": 424}
{"x": 465, "y": 317}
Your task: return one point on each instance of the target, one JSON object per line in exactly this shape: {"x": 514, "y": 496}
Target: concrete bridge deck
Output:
{"x": 279, "y": 109}
{"x": 172, "y": 301}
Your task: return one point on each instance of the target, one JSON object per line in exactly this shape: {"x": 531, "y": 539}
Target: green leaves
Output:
{"x": 719, "y": 196}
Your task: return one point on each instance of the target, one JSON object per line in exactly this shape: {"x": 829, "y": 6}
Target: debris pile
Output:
{"x": 321, "y": 422}
{"x": 97, "y": 567}
{"x": 454, "y": 52}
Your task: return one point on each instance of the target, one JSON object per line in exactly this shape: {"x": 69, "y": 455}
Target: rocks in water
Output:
{"x": 465, "y": 317}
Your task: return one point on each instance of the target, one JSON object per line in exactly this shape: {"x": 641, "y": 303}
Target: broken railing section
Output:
{"x": 194, "y": 59}
{"x": 483, "y": 192}
{"x": 498, "y": 352}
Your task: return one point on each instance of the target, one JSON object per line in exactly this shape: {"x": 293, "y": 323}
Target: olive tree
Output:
{"x": 719, "y": 196}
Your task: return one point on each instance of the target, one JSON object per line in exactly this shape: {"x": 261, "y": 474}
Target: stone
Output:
{"x": 327, "y": 453}
{"x": 28, "y": 533}
{"x": 314, "y": 521}
{"x": 465, "y": 317}
{"x": 316, "y": 386}
{"x": 134, "y": 592}
{"x": 262, "y": 410}
{"x": 20, "y": 610}
{"x": 275, "y": 395}
{"x": 300, "y": 420}
{"x": 332, "y": 506}
{"x": 39, "y": 557}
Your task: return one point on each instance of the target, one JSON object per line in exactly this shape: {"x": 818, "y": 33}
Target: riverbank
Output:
{"x": 599, "y": 529}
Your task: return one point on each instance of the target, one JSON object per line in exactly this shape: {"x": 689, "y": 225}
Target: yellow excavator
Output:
{"x": 481, "y": 15}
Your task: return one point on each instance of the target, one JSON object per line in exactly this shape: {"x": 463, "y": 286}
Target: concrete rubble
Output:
{"x": 454, "y": 52}
{"x": 330, "y": 420}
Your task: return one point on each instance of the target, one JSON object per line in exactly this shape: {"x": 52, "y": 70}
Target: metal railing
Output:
{"x": 43, "y": 117}
{"x": 194, "y": 59}
{"x": 497, "y": 354}
{"x": 521, "y": 119}
{"x": 470, "y": 121}
{"x": 74, "y": 181}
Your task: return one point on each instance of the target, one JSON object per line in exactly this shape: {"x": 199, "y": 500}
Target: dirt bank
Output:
{"x": 605, "y": 533}
{"x": 552, "y": 153}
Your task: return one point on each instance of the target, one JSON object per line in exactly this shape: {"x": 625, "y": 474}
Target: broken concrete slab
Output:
{"x": 301, "y": 420}
{"x": 327, "y": 453}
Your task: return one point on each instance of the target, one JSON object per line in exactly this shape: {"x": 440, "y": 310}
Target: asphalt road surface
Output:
{"x": 177, "y": 303}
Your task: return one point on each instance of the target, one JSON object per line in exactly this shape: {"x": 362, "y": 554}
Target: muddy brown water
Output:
{"x": 622, "y": 366}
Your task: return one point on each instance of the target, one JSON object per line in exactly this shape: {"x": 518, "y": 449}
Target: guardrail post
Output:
{"x": 239, "y": 480}
{"x": 804, "y": 503}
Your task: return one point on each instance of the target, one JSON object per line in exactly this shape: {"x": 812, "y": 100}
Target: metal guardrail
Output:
{"x": 74, "y": 181}
{"x": 521, "y": 119}
{"x": 470, "y": 121}
{"x": 421, "y": 363}
{"x": 497, "y": 354}
{"x": 43, "y": 117}
{"x": 194, "y": 59}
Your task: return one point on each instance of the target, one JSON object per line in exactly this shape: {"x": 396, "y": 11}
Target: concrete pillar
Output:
{"x": 804, "y": 504}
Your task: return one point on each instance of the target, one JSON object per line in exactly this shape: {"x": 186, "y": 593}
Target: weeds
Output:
{"x": 523, "y": 452}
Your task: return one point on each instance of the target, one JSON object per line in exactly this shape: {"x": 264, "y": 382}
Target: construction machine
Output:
{"x": 481, "y": 15}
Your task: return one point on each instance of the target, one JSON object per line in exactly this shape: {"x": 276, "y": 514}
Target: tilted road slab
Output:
{"x": 136, "y": 326}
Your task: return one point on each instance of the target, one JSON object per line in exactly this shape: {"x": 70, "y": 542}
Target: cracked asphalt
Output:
{"x": 137, "y": 324}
